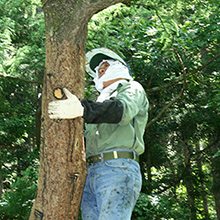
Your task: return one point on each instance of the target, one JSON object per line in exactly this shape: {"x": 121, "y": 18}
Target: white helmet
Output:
{"x": 95, "y": 56}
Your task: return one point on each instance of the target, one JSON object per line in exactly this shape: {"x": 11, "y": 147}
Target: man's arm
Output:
{"x": 109, "y": 111}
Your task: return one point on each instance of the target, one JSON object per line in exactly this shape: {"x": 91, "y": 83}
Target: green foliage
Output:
{"x": 22, "y": 39}
{"x": 151, "y": 207}
{"x": 18, "y": 200}
{"x": 22, "y": 56}
{"x": 180, "y": 158}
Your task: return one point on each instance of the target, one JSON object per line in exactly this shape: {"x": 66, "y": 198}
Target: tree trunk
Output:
{"x": 1, "y": 181}
{"x": 62, "y": 161}
{"x": 203, "y": 188}
{"x": 149, "y": 166}
{"x": 189, "y": 182}
{"x": 62, "y": 170}
{"x": 216, "y": 176}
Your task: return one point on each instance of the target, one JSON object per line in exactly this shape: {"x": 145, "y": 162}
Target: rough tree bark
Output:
{"x": 216, "y": 172}
{"x": 62, "y": 170}
{"x": 203, "y": 187}
{"x": 1, "y": 181}
{"x": 188, "y": 182}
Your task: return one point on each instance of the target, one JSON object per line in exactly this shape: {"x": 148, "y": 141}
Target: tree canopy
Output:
{"x": 172, "y": 48}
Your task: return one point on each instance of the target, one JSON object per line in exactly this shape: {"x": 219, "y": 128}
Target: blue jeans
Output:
{"x": 111, "y": 190}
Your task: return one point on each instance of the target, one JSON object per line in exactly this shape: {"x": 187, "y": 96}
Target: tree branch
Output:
{"x": 177, "y": 97}
{"x": 192, "y": 72}
{"x": 21, "y": 79}
{"x": 155, "y": 89}
{"x": 183, "y": 77}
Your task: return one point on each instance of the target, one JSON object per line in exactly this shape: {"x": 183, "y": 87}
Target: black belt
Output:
{"x": 112, "y": 155}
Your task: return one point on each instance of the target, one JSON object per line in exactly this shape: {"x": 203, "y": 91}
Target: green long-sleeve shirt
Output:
{"x": 118, "y": 123}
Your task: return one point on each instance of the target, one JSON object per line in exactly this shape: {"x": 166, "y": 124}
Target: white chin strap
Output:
{"x": 115, "y": 70}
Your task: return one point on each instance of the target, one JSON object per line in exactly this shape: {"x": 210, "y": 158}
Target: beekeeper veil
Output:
{"x": 115, "y": 70}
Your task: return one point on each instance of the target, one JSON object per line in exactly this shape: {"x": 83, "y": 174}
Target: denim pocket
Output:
{"x": 117, "y": 163}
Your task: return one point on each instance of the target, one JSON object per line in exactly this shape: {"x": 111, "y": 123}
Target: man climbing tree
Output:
{"x": 115, "y": 126}
{"x": 62, "y": 170}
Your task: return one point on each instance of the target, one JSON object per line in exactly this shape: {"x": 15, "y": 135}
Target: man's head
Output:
{"x": 95, "y": 56}
{"x": 106, "y": 67}
{"x": 108, "y": 72}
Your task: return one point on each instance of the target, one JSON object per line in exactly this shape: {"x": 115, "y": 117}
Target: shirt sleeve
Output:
{"x": 109, "y": 111}
{"x": 134, "y": 100}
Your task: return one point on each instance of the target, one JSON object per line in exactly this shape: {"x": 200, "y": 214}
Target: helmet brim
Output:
{"x": 94, "y": 58}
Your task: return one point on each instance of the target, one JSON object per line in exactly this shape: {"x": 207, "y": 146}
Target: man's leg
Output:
{"x": 88, "y": 205}
{"x": 117, "y": 186}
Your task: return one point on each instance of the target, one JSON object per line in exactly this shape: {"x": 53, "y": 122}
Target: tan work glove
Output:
{"x": 66, "y": 109}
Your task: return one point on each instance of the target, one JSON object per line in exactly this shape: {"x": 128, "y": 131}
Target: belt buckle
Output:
{"x": 115, "y": 154}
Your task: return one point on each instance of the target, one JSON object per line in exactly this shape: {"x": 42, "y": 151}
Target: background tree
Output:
{"x": 62, "y": 169}
{"x": 151, "y": 37}
{"x": 21, "y": 67}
